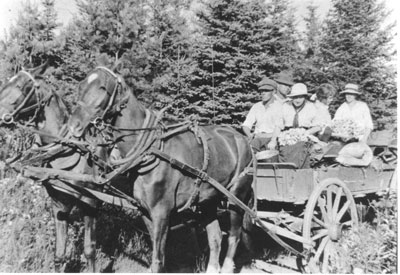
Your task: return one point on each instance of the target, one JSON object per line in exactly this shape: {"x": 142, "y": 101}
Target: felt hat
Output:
{"x": 267, "y": 84}
{"x": 350, "y": 89}
{"x": 284, "y": 78}
{"x": 298, "y": 89}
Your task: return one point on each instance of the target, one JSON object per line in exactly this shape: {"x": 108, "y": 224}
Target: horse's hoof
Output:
{"x": 212, "y": 269}
{"x": 228, "y": 266}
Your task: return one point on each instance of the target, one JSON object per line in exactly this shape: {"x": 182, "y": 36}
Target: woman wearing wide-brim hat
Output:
{"x": 299, "y": 112}
{"x": 355, "y": 110}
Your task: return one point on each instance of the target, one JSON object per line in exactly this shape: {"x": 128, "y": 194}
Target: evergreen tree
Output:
{"x": 31, "y": 41}
{"x": 312, "y": 32}
{"x": 284, "y": 39}
{"x": 356, "y": 47}
{"x": 241, "y": 43}
{"x": 167, "y": 44}
{"x": 308, "y": 68}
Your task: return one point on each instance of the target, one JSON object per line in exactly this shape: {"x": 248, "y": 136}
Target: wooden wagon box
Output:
{"x": 282, "y": 182}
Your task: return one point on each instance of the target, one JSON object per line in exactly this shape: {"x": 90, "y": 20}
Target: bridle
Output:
{"x": 9, "y": 118}
{"x": 99, "y": 120}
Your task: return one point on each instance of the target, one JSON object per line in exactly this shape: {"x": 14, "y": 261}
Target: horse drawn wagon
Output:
{"x": 317, "y": 204}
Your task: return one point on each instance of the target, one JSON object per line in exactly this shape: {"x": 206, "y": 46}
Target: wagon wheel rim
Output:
{"x": 330, "y": 210}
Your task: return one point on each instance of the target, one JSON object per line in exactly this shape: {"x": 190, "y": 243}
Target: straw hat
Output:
{"x": 350, "y": 89}
{"x": 298, "y": 89}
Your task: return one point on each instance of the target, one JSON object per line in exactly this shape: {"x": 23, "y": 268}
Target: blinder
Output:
{"x": 111, "y": 108}
{"x": 8, "y": 118}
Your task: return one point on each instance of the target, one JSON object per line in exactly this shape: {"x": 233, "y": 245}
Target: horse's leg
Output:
{"x": 233, "y": 240}
{"x": 214, "y": 236}
{"x": 242, "y": 191}
{"x": 160, "y": 220}
{"x": 61, "y": 209}
{"x": 90, "y": 237}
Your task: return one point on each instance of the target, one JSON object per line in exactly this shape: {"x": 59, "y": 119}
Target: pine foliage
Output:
{"x": 357, "y": 48}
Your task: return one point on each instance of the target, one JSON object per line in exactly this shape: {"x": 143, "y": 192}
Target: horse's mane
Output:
{"x": 60, "y": 102}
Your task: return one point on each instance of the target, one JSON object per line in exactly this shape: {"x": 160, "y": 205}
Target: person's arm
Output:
{"x": 314, "y": 130}
{"x": 366, "y": 135}
{"x": 249, "y": 122}
{"x": 316, "y": 120}
{"x": 367, "y": 124}
{"x": 247, "y": 132}
{"x": 274, "y": 139}
{"x": 339, "y": 113}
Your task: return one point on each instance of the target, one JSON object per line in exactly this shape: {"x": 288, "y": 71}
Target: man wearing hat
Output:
{"x": 284, "y": 82}
{"x": 266, "y": 117}
{"x": 355, "y": 110}
{"x": 299, "y": 112}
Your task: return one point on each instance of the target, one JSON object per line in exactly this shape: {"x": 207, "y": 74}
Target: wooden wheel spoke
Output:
{"x": 322, "y": 233}
{"x": 321, "y": 248}
{"x": 322, "y": 204}
{"x": 342, "y": 211}
{"x": 337, "y": 201}
{"x": 329, "y": 201}
{"x": 319, "y": 222}
{"x": 327, "y": 254}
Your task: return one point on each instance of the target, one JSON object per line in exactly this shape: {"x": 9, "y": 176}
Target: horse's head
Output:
{"x": 101, "y": 96}
{"x": 19, "y": 96}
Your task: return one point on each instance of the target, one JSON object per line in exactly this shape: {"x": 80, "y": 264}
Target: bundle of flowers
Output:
{"x": 346, "y": 128}
{"x": 292, "y": 136}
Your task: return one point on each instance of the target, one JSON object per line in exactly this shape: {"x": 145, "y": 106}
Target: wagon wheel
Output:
{"x": 330, "y": 210}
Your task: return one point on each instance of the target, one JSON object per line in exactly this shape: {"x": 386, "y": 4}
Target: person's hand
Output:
{"x": 272, "y": 145}
{"x": 250, "y": 137}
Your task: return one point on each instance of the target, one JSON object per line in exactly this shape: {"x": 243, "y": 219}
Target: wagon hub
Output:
{"x": 335, "y": 231}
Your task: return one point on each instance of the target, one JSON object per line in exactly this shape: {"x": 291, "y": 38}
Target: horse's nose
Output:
{"x": 75, "y": 127}
{"x": 3, "y": 111}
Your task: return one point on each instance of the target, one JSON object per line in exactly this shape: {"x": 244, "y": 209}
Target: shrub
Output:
{"x": 26, "y": 227}
{"x": 372, "y": 247}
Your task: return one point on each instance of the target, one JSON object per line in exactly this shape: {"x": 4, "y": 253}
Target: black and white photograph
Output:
{"x": 198, "y": 136}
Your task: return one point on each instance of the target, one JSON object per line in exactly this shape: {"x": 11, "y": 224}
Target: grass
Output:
{"x": 372, "y": 247}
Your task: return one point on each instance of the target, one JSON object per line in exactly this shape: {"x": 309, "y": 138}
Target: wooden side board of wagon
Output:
{"x": 315, "y": 206}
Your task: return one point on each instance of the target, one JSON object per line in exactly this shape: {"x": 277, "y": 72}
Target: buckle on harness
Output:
{"x": 7, "y": 118}
{"x": 98, "y": 123}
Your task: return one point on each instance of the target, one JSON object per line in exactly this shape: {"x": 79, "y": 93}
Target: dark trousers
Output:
{"x": 326, "y": 134}
{"x": 260, "y": 144}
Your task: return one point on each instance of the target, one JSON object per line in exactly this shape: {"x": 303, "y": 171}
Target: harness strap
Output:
{"x": 31, "y": 92}
{"x": 204, "y": 177}
{"x": 202, "y": 139}
{"x": 115, "y": 91}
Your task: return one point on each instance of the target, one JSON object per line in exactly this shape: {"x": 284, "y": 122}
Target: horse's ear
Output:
{"x": 118, "y": 65}
{"x": 39, "y": 70}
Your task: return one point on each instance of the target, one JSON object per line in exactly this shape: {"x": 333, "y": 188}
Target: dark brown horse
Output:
{"x": 163, "y": 189}
{"x": 26, "y": 96}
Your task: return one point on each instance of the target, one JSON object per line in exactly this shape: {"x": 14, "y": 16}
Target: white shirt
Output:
{"x": 359, "y": 113}
{"x": 308, "y": 116}
{"x": 265, "y": 118}
{"x": 280, "y": 99}
{"x": 323, "y": 113}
